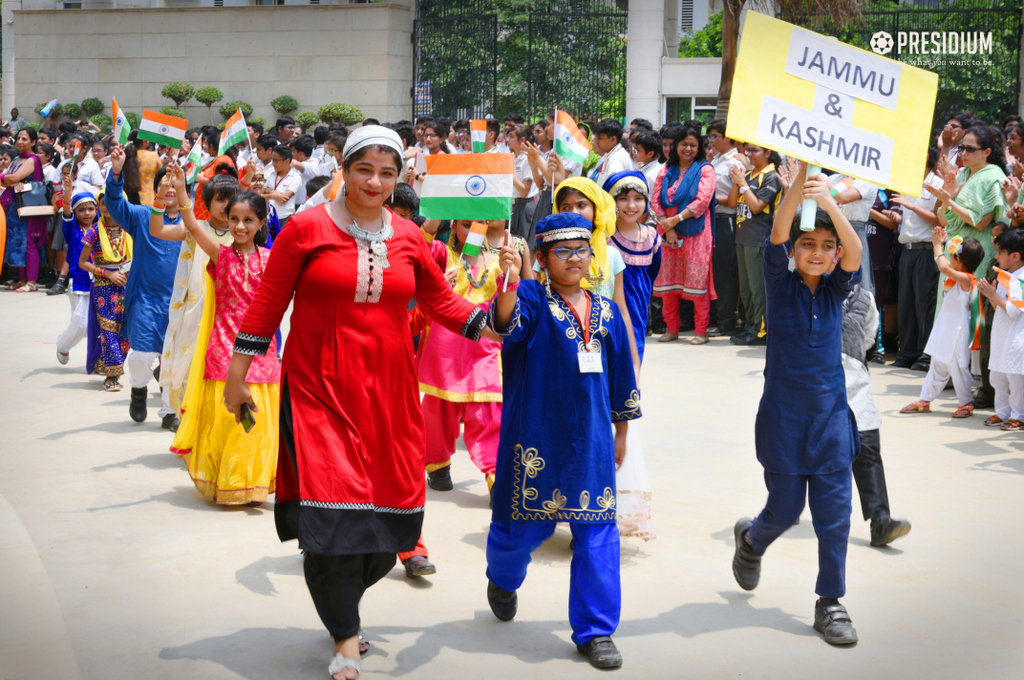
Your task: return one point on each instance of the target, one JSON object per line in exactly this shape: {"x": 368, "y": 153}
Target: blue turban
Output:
{"x": 622, "y": 182}
{"x": 563, "y": 227}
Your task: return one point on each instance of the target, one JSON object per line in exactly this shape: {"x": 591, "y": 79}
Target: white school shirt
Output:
{"x": 524, "y": 173}
{"x": 290, "y": 182}
{"x": 650, "y": 172}
{"x": 310, "y": 169}
{"x": 89, "y": 173}
{"x": 616, "y": 160}
{"x": 723, "y": 164}
{"x": 51, "y": 175}
{"x": 859, "y": 210}
{"x": 1008, "y": 335}
{"x": 914, "y": 229}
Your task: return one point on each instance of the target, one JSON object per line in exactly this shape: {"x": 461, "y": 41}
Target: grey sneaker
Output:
{"x": 601, "y": 652}
{"x": 832, "y": 621}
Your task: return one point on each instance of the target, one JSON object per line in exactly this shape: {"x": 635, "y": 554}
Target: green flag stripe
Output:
{"x": 466, "y": 208}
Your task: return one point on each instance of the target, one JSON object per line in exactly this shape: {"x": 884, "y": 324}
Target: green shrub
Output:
{"x": 229, "y": 109}
{"x": 306, "y": 119}
{"x": 58, "y": 110}
{"x": 72, "y": 111}
{"x": 284, "y": 104}
{"x": 340, "y": 113}
{"x": 179, "y": 93}
{"x": 209, "y": 96}
{"x": 134, "y": 120}
{"x": 92, "y": 106}
{"x": 171, "y": 111}
{"x": 104, "y": 122}
{"x": 261, "y": 121}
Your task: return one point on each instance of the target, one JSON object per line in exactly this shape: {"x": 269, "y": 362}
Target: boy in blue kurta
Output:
{"x": 806, "y": 435}
{"x": 568, "y": 383}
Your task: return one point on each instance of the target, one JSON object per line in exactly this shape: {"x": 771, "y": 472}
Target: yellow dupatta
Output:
{"x": 604, "y": 226}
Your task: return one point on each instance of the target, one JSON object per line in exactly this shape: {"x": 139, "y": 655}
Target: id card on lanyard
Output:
{"x": 590, "y": 358}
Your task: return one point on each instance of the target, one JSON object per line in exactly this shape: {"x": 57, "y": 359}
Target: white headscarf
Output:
{"x": 371, "y": 135}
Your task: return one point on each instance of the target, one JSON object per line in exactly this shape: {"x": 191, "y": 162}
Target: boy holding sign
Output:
{"x": 805, "y": 435}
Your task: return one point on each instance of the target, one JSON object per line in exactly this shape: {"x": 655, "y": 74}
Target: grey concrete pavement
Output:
{"x": 112, "y": 566}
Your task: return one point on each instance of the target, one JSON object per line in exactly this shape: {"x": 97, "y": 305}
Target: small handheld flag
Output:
{"x": 467, "y": 187}
{"x": 570, "y": 143}
{"x": 474, "y": 244}
{"x": 161, "y": 129}
{"x": 235, "y": 132}
{"x": 192, "y": 163}
{"x": 121, "y": 125}
{"x": 1014, "y": 287}
{"x": 478, "y": 133}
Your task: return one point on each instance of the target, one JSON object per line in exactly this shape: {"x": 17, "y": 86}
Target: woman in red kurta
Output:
{"x": 350, "y": 480}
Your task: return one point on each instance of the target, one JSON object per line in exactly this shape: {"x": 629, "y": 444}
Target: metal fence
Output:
{"x": 474, "y": 60}
{"x": 986, "y": 83}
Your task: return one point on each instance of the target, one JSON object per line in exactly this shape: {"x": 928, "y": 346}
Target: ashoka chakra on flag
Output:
{"x": 476, "y": 185}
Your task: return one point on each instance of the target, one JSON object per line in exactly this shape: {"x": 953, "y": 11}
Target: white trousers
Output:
{"x": 1009, "y": 399}
{"x": 79, "y": 324}
{"x": 939, "y": 374}
{"x": 139, "y": 366}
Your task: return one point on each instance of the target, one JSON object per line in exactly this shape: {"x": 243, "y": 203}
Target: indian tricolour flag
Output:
{"x": 235, "y": 132}
{"x": 193, "y": 163}
{"x": 475, "y": 239}
{"x": 570, "y": 143}
{"x": 121, "y": 125}
{"x": 467, "y": 186}
{"x": 478, "y": 133}
{"x": 1014, "y": 287}
{"x": 161, "y": 129}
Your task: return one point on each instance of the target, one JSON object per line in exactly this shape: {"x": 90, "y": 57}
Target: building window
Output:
{"x": 682, "y": 109}
{"x": 685, "y": 15}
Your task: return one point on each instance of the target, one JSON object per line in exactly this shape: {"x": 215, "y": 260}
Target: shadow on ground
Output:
{"x": 273, "y": 653}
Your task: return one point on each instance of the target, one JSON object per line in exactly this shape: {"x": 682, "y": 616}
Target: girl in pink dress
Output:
{"x": 683, "y": 200}
{"x": 227, "y": 463}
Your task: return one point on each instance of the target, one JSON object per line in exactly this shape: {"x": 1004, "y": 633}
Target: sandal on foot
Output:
{"x": 917, "y": 407}
{"x": 340, "y": 663}
{"x": 993, "y": 421}
{"x": 112, "y": 385}
{"x": 63, "y": 358}
{"x": 29, "y": 287}
{"x": 965, "y": 411}
{"x": 1012, "y": 425}
{"x": 364, "y": 646}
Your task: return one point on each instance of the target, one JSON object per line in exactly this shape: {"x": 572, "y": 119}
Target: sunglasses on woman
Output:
{"x": 967, "y": 148}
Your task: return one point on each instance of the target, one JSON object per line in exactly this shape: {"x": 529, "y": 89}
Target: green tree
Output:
{"x": 229, "y": 109}
{"x": 707, "y": 42}
{"x": 306, "y": 119}
{"x": 179, "y": 93}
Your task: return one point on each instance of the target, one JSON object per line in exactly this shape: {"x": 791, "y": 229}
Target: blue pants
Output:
{"x": 831, "y": 500}
{"x": 595, "y": 593}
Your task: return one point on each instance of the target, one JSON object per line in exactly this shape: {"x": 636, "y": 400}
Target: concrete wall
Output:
{"x": 698, "y": 77}
{"x": 353, "y": 54}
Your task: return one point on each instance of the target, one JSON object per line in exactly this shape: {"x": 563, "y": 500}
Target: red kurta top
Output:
{"x": 350, "y": 470}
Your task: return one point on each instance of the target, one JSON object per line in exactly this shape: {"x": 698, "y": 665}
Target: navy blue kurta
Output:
{"x": 147, "y": 295}
{"x": 556, "y": 457}
{"x": 804, "y": 425}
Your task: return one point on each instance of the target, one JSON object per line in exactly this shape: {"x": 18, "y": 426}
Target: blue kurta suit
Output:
{"x": 147, "y": 296}
{"x": 556, "y": 457}
{"x": 642, "y": 267}
{"x": 806, "y": 435}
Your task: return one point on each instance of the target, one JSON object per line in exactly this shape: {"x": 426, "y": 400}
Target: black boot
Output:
{"x": 441, "y": 480}
{"x": 137, "y": 409}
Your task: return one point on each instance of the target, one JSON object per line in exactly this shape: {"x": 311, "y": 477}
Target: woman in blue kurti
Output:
{"x": 565, "y": 384}
{"x": 147, "y": 295}
{"x": 805, "y": 434}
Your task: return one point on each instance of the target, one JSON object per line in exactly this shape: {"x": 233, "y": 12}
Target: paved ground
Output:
{"x": 112, "y": 566}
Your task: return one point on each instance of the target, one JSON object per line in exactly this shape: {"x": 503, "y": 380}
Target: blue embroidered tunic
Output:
{"x": 147, "y": 296}
{"x": 556, "y": 457}
{"x": 804, "y": 425}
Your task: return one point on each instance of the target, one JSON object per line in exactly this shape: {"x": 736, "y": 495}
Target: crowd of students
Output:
{"x": 183, "y": 277}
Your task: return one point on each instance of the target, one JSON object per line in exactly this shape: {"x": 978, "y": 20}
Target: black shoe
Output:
{"x": 920, "y": 365}
{"x": 878, "y": 359}
{"x": 902, "y": 362}
{"x": 137, "y": 408}
{"x": 503, "y": 603}
{"x": 441, "y": 480}
{"x": 716, "y": 332}
{"x": 58, "y": 288}
{"x": 746, "y": 566}
{"x": 170, "y": 422}
{"x": 47, "y": 279}
{"x": 761, "y": 339}
{"x": 832, "y": 621}
{"x": 601, "y": 652}
{"x": 418, "y": 566}
{"x": 741, "y": 338}
{"x": 884, "y": 532}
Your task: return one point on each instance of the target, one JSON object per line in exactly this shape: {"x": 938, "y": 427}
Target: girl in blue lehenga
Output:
{"x": 110, "y": 249}
{"x": 640, "y": 246}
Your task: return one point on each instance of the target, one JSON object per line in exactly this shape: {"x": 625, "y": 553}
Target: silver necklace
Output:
{"x": 377, "y": 240}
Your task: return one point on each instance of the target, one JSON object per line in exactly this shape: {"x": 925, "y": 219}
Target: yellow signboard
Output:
{"x": 831, "y": 104}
